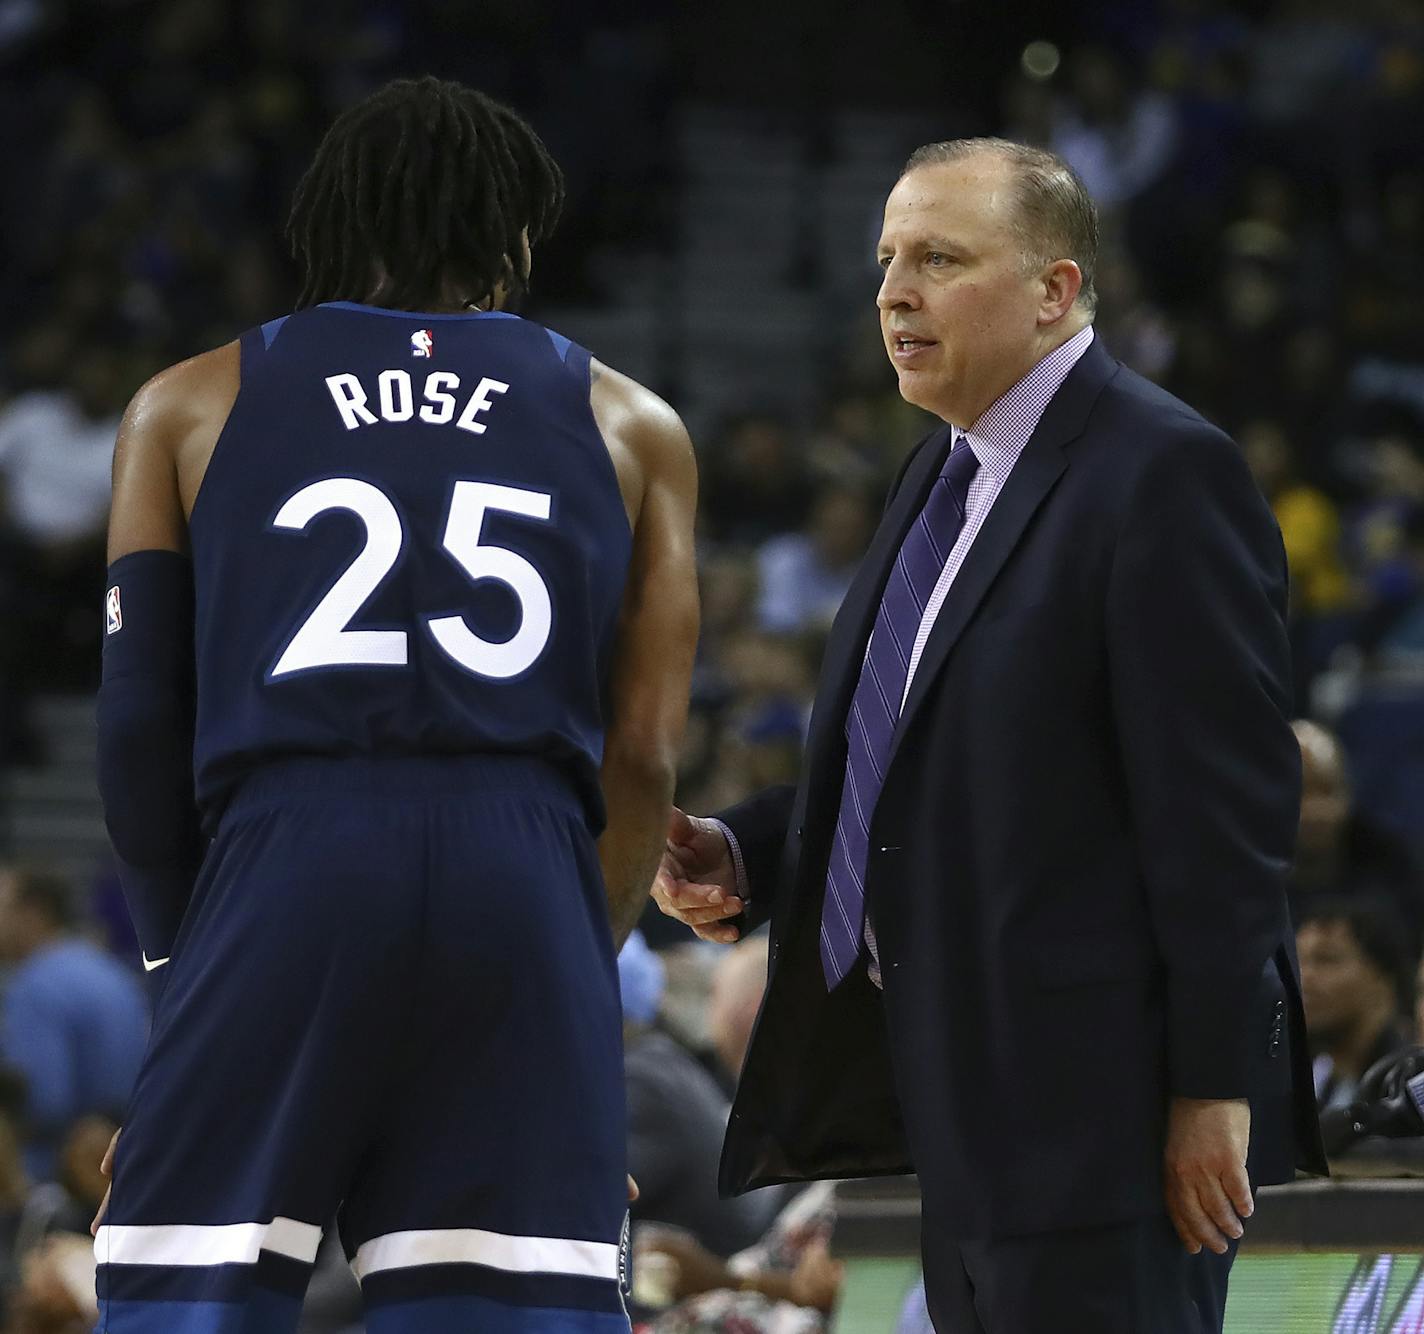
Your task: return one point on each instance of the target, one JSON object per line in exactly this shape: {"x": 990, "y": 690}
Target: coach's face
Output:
{"x": 964, "y": 312}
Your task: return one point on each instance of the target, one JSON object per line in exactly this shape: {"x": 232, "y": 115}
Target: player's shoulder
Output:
{"x": 636, "y": 417}
{"x": 630, "y": 401}
{"x": 187, "y": 391}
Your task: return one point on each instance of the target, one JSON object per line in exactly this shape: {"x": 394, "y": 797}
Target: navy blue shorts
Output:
{"x": 393, "y": 1001}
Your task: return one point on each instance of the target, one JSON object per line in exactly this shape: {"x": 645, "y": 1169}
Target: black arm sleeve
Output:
{"x": 147, "y": 703}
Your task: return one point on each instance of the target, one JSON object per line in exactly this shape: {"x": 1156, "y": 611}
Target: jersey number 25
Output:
{"x": 323, "y": 640}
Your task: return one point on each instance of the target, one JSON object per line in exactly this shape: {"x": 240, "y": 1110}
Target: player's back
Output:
{"x": 410, "y": 540}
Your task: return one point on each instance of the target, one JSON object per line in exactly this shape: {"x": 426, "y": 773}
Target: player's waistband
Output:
{"x": 405, "y": 777}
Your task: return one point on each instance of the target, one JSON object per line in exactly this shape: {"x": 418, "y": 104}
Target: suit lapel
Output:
{"x": 1034, "y": 474}
{"x": 845, "y": 648}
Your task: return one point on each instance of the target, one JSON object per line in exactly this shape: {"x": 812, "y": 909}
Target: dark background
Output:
{"x": 1260, "y": 173}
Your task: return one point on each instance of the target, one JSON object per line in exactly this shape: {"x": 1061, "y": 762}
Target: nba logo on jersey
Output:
{"x": 113, "y": 613}
{"x": 422, "y": 343}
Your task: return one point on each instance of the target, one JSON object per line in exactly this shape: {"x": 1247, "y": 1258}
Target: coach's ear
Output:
{"x": 1062, "y": 281}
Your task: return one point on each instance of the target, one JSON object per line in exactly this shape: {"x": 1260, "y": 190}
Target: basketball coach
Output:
{"x": 1029, "y": 929}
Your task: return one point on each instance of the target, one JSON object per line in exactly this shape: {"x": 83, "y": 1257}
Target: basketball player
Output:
{"x": 400, "y": 625}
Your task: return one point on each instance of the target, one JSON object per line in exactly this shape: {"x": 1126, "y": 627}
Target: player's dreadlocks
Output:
{"x": 424, "y": 179}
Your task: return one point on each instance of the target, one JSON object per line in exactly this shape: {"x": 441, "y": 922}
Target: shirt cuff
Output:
{"x": 743, "y": 888}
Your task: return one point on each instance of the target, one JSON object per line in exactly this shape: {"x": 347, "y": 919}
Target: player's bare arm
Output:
{"x": 657, "y": 636}
{"x": 162, "y": 451}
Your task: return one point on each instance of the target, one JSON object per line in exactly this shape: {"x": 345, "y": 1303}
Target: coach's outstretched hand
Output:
{"x": 696, "y": 881}
{"x": 1208, "y": 1191}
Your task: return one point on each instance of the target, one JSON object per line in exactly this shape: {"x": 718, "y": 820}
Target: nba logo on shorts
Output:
{"x": 422, "y": 343}
{"x": 113, "y": 613}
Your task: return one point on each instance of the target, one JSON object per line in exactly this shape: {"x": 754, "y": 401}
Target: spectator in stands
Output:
{"x": 1356, "y": 978}
{"x": 1419, "y": 1003}
{"x": 1308, "y": 402}
{"x": 1340, "y": 851}
{"x": 1377, "y": 538}
{"x": 754, "y": 481}
{"x": 676, "y": 1118}
{"x": 56, "y": 1294}
{"x": 55, "y": 448}
{"x": 760, "y": 744}
{"x": 14, "y": 1185}
{"x": 762, "y": 720}
{"x": 74, "y": 1021}
{"x": 805, "y": 574}
{"x": 727, "y": 585}
{"x": 17, "y": 739}
{"x": 69, "y": 1203}
{"x": 55, "y": 451}
{"x": 1255, "y": 311}
{"x": 1120, "y": 140}
{"x": 1139, "y": 334}
{"x": 738, "y": 982}
{"x": 1310, "y": 523}
{"x": 1310, "y": 526}
{"x": 1305, "y": 57}
{"x": 767, "y": 671}
{"x": 786, "y": 1284}
{"x": 790, "y": 1266}
{"x": 1400, "y": 639}
{"x": 861, "y": 436}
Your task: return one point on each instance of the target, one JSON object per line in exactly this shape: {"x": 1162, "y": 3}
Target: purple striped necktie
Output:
{"x": 875, "y": 706}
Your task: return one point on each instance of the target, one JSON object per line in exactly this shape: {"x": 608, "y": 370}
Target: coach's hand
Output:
{"x": 107, "y": 1168}
{"x": 1208, "y": 1192}
{"x": 696, "y": 881}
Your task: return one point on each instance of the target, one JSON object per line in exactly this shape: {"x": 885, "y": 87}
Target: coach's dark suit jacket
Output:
{"x": 1077, "y": 859}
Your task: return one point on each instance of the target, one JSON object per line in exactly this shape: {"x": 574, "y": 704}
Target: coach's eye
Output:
{"x": 938, "y": 258}
{"x": 883, "y": 261}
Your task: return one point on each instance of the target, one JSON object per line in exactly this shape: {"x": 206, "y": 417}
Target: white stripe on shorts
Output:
{"x": 495, "y": 1250}
{"x": 189, "y": 1244}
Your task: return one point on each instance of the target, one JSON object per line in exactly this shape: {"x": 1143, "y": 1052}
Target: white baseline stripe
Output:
{"x": 496, "y": 1250}
{"x": 189, "y": 1244}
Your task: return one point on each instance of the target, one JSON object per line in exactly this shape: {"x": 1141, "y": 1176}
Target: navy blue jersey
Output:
{"x": 410, "y": 541}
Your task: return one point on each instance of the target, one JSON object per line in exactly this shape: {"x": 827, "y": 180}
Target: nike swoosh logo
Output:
{"x": 150, "y": 964}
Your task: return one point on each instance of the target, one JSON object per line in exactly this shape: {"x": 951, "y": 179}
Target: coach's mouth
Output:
{"x": 905, "y": 349}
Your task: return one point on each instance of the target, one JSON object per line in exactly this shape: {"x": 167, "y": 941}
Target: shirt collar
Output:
{"x": 1000, "y": 434}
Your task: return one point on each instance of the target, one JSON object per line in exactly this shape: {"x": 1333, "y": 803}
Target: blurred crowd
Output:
{"x": 1260, "y": 169}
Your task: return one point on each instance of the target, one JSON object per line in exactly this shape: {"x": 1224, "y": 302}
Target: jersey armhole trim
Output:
{"x": 579, "y": 360}
{"x": 562, "y": 345}
{"x": 271, "y": 329}
{"x": 251, "y": 345}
